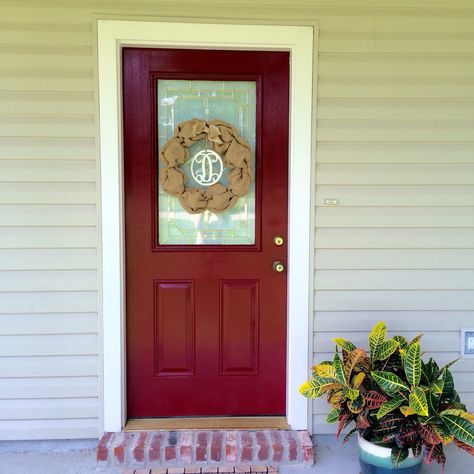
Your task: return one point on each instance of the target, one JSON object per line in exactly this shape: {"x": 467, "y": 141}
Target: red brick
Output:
{"x": 306, "y": 447}
{"x": 216, "y": 446}
{"x": 201, "y": 446}
{"x": 186, "y": 447}
{"x": 120, "y": 448}
{"x": 292, "y": 447}
{"x": 176, "y": 470}
{"x": 259, "y": 469}
{"x": 170, "y": 447}
{"x": 231, "y": 446}
{"x": 246, "y": 441}
{"x": 103, "y": 448}
{"x": 242, "y": 469}
{"x": 139, "y": 448}
{"x": 264, "y": 447}
{"x": 159, "y": 470}
{"x": 277, "y": 446}
{"x": 154, "y": 451}
{"x": 225, "y": 469}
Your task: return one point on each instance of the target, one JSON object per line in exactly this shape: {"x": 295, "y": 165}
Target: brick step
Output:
{"x": 198, "y": 449}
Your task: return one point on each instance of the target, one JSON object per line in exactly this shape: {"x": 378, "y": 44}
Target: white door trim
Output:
{"x": 298, "y": 40}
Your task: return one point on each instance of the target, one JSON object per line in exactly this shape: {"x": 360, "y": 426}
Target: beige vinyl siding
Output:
{"x": 395, "y": 145}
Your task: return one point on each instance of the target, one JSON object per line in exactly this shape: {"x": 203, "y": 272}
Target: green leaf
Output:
{"x": 325, "y": 370}
{"x": 449, "y": 364}
{"x": 412, "y": 364}
{"x": 418, "y": 403}
{"x": 386, "y": 349}
{"x": 315, "y": 387}
{"x": 339, "y": 369}
{"x": 389, "y": 382}
{"x": 377, "y": 337}
{"x": 348, "y": 435}
{"x": 389, "y": 406}
{"x": 448, "y": 388}
{"x": 415, "y": 339}
{"x": 437, "y": 387}
{"x": 399, "y": 455}
{"x": 344, "y": 344}
{"x": 461, "y": 428}
{"x": 333, "y": 415}
{"x": 351, "y": 393}
{"x": 402, "y": 342}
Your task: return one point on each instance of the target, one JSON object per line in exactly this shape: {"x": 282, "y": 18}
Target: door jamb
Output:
{"x": 298, "y": 40}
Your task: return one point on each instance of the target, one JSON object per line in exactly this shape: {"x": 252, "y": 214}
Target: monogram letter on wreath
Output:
{"x": 207, "y": 166}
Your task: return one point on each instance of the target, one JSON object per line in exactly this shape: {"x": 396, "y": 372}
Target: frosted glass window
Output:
{"x": 233, "y": 102}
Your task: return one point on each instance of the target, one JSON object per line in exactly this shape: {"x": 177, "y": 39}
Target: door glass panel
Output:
{"x": 233, "y": 102}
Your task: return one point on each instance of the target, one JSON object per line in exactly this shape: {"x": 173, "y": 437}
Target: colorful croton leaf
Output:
{"x": 393, "y": 398}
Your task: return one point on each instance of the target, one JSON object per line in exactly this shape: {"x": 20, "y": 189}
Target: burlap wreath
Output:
{"x": 235, "y": 152}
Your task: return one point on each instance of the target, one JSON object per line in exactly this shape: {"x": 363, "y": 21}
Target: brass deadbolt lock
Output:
{"x": 278, "y": 240}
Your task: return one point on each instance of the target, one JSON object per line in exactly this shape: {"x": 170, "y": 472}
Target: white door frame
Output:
{"x": 298, "y": 40}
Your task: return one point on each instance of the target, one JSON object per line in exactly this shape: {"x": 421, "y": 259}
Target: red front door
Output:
{"x": 206, "y": 317}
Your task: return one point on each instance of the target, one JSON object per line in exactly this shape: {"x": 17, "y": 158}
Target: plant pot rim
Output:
{"x": 381, "y": 451}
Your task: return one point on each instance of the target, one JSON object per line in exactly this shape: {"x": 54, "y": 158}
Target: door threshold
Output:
{"x": 208, "y": 423}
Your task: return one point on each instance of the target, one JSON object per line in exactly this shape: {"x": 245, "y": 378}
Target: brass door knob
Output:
{"x": 278, "y": 240}
{"x": 278, "y": 266}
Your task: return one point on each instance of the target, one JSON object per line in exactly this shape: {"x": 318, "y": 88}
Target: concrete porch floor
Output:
{"x": 79, "y": 458}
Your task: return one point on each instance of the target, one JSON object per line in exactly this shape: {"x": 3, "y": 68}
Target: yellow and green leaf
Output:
{"x": 316, "y": 386}
{"x": 326, "y": 370}
{"x": 418, "y": 403}
{"x": 333, "y": 415}
{"x": 390, "y": 383}
{"x": 386, "y": 349}
{"x": 402, "y": 342}
{"x": 339, "y": 369}
{"x": 389, "y": 406}
{"x": 461, "y": 428}
{"x": 377, "y": 337}
{"x": 356, "y": 405}
{"x": 407, "y": 411}
{"x": 357, "y": 356}
{"x": 412, "y": 364}
{"x": 351, "y": 393}
{"x": 358, "y": 379}
{"x": 344, "y": 344}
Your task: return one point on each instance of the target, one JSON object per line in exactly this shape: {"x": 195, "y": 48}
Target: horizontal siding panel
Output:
{"x": 420, "y": 321}
{"x": 384, "y": 259}
{"x": 47, "y": 171}
{"x": 332, "y": 216}
{"x": 49, "y": 429}
{"x": 57, "y": 323}
{"x": 392, "y": 279}
{"x": 375, "y": 64}
{"x": 44, "y": 148}
{"x": 49, "y": 366}
{"x": 45, "y": 409}
{"x": 414, "y": 196}
{"x": 48, "y": 237}
{"x": 380, "y": 153}
{"x": 401, "y": 86}
{"x": 390, "y": 130}
{"x": 51, "y": 280}
{"x": 31, "y": 215}
{"x": 449, "y": 341}
{"x": 40, "y": 125}
{"x": 13, "y": 36}
{"x": 48, "y": 193}
{"x": 63, "y": 60}
{"x": 396, "y": 174}
{"x": 394, "y": 238}
{"x": 48, "y": 345}
{"x": 46, "y": 83}
{"x": 416, "y": 300}
{"x": 48, "y": 259}
{"x": 47, "y": 106}
{"x": 52, "y": 387}
{"x": 419, "y": 113}
{"x": 52, "y": 302}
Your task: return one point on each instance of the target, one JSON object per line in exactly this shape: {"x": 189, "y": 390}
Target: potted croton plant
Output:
{"x": 403, "y": 409}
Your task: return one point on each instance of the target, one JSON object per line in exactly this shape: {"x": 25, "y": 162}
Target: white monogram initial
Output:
{"x": 203, "y": 167}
